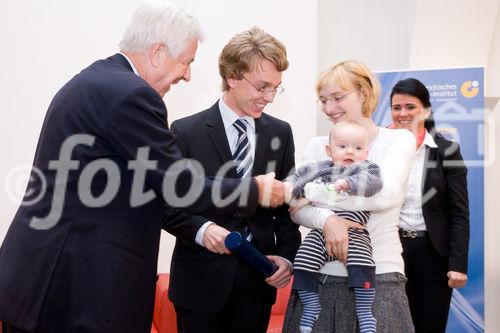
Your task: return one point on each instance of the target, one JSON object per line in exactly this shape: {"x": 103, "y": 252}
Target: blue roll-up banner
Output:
{"x": 457, "y": 98}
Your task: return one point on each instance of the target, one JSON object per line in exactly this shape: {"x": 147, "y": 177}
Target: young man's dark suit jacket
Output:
{"x": 200, "y": 280}
{"x": 95, "y": 270}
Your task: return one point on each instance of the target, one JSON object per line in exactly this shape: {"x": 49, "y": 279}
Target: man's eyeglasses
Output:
{"x": 266, "y": 90}
{"x": 333, "y": 99}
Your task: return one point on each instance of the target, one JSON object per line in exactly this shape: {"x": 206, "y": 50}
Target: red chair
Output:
{"x": 164, "y": 318}
{"x": 278, "y": 310}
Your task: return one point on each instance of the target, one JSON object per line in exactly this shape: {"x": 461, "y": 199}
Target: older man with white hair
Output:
{"x": 83, "y": 257}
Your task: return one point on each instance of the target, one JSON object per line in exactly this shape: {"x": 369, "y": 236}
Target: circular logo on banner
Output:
{"x": 469, "y": 89}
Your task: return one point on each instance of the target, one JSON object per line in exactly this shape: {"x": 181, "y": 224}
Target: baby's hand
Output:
{"x": 297, "y": 204}
{"x": 342, "y": 185}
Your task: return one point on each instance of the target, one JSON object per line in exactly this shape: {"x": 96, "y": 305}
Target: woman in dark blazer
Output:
{"x": 434, "y": 220}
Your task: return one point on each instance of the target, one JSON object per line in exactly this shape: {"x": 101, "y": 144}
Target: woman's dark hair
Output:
{"x": 415, "y": 88}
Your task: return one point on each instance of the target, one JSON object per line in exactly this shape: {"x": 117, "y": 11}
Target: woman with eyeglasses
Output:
{"x": 349, "y": 91}
{"x": 434, "y": 219}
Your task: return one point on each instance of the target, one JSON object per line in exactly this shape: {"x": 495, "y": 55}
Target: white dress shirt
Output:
{"x": 411, "y": 212}
{"x": 131, "y": 64}
{"x": 228, "y": 118}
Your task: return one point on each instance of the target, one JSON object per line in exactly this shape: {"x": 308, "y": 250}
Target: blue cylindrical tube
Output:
{"x": 242, "y": 248}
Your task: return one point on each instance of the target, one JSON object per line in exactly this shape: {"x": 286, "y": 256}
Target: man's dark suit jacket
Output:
{"x": 201, "y": 280}
{"x": 445, "y": 202}
{"x": 95, "y": 270}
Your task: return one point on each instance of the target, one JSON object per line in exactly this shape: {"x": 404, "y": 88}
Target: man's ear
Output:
{"x": 156, "y": 53}
{"x": 233, "y": 77}
{"x": 231, "y": 80}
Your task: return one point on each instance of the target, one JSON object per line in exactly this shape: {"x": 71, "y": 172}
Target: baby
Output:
{"x": 347, "y": 173}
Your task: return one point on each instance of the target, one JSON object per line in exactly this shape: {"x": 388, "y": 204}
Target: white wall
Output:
{"x": 452, "y": 33}
{"x": 493, "y": 64}
{"x": 377, "y": 32}
{"x": 492, "y": 174}
{"x": 46, "y": 42}
{"x": 491, "y": 232}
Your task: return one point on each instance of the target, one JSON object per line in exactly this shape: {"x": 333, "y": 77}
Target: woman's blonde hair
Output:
{"x": 244, "y": 51}
{"x": 353, "y": 74}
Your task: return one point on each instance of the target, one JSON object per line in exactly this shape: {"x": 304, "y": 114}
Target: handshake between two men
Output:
{"x": 271, "y": 191}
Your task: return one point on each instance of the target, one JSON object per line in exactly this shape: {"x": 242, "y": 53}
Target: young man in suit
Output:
{"x": 83, "y": 258}
{"x": 214, "y": 291}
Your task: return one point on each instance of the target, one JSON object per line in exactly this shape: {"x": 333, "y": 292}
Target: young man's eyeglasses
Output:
{"x": 266, "y": 90}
